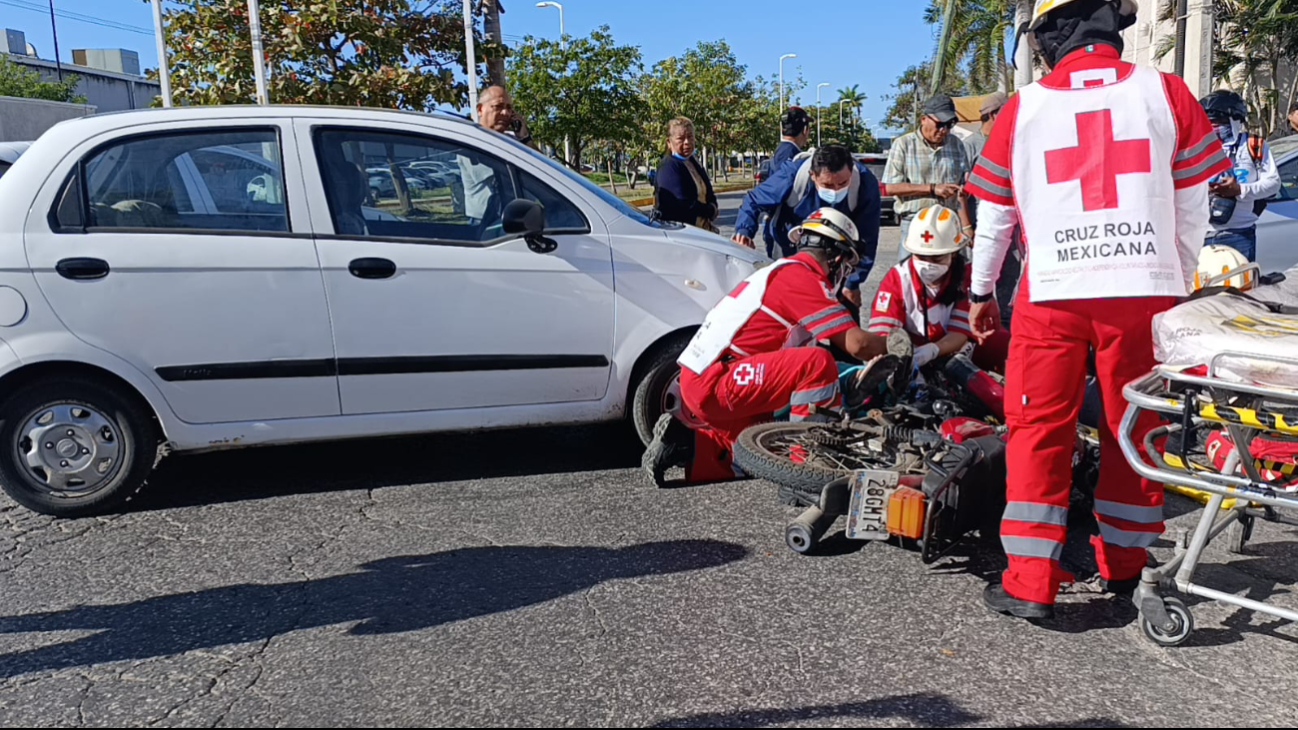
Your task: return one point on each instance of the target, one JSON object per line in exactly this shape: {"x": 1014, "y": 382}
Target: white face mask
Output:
{"x": 931, "y": 273}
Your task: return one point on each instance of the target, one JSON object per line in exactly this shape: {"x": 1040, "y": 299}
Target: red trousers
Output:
{"x": 1044, "y": 382}
{"x": 731, "y": 396}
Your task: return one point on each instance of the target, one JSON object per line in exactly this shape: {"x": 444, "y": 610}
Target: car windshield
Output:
{"x": 618, "y": 204}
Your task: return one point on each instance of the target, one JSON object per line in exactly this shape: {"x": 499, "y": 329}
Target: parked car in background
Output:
{"x": 9, "y": 153}
{"x": 1277, "y": 228}
{"x": 876, "y": 162}
{"x": 763, "y": 172}
{"x": 204, "y": 278}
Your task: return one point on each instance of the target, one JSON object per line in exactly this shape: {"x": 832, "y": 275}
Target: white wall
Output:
{"x": 23, "y": 120}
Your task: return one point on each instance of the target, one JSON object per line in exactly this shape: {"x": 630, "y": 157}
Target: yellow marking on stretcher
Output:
{"x": 1248, "y": 417}
{"x": 1264, "y": 326}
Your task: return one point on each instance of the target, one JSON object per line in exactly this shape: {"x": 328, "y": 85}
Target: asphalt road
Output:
{"x": 534, "y": 578}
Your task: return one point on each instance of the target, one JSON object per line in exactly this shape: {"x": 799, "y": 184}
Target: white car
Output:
{"x": 214, "y": 277}
{"x": 9, "y": 154}
{"x": 1277, "y": 228}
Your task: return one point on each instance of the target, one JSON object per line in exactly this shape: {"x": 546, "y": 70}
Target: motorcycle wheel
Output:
{"x": 806, "y": 456}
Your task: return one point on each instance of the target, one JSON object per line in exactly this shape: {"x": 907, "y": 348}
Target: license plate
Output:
{"x": 867, "y": 512}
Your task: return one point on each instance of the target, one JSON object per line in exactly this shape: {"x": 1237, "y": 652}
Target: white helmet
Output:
{"x": 830, "y": 223}
{"x": 935, "y": 231}
{"x": 1043, "y": 8}
{"x": 1224, "y": 266}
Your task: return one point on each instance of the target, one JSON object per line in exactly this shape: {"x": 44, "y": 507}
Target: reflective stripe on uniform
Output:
{"x": 1032, "y": 547}
{"x": 1140, "y": 514}
{"x": 816, "y": 395}
{"x": 1127, "y": 538}
{"x": 1042, "y": 514}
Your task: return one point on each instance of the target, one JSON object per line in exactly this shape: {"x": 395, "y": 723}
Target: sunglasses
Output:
{"x": 943, "y": 125}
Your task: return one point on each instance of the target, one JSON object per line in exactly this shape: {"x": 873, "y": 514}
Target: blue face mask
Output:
{"x": 681, "y": 157}
{"x": 832, "y": 196}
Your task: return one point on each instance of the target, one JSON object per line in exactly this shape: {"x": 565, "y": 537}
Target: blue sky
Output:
{"x": 842, "y": 42}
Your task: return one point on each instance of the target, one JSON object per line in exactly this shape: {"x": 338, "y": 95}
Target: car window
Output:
{"x": 4, "y": 167}
{"x": 387, "y": 185}
{"x": 214, "y": 181}
{"x": 560, "y": 214}
{"x": 1289, "y": 180}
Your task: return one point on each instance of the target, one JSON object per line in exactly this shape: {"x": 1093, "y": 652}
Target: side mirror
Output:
{"x": 527, "y": 217}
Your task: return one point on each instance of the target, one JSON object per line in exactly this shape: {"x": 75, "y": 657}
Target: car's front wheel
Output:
{"x": 72, "y": 446}
{"x": 654, "y": 393}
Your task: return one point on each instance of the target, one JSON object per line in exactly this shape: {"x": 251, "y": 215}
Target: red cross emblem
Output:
{"x": 1098, "y": 160}
{"x": 928, "y": 237}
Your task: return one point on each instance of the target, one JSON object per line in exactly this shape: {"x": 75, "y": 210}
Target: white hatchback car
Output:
{"x": 216, "y": 277}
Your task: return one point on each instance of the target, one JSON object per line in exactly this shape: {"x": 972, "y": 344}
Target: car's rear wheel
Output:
{"x": 73, "y": 446}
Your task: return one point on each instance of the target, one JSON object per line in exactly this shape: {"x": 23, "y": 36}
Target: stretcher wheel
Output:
{"x": 1180, "y": 624}
{"x": 1239, "y": 533}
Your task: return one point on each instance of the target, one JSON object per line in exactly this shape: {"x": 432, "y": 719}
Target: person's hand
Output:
{"x": 853, "y": 296}
{"x": 1228, "y": 188}
{"x": 946, "y": 190}
{"x": 984, "y": 318}
{"x": 925, "y": 354}
{"x": 743, "y": 240}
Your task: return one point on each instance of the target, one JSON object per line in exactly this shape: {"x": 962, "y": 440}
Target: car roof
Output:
{"x": 1284, "y": 146}
{"x": 10, "y": 151}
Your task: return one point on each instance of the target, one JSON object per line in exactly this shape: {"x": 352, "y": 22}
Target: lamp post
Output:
{"x": 818, "y": 88}
{"x": 164, "y": 73}
{"x": 567, "y": 151}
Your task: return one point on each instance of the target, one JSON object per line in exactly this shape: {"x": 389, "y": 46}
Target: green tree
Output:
{"x": 976, "y": 41}
{"x": 583, "y": 88}
{"x": 1254, "y": 40}
{"x": 20, "y": 81}
{"x": 709, "y": 85}
{"x": 386, "y": 53}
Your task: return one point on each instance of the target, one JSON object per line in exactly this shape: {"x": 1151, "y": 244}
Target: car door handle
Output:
{"x": 82, "y": 268}
{"x": 372, "y": 268}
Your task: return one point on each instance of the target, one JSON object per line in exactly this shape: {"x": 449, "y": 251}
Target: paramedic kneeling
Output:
{"x": 756, "y": 353}
{"x": 927, "y": 294}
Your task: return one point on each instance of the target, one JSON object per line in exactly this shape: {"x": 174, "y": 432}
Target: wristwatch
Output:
{"x": 981, "y": 298}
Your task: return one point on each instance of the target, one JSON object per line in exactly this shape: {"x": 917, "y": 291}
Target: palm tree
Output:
{"x": 851, "y": 96}
{"x": 975, "y": 39}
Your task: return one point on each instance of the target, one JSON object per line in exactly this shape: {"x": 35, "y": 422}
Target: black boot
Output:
{"x": 673, "y": 445}
{"x": 999, "y": 601}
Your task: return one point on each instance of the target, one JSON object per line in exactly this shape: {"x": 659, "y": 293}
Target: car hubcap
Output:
{"x": 68, "y": 448}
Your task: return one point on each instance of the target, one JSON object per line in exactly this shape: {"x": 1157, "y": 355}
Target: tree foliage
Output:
{"x": 584, "y": 89}
{"x": 399, "y": 54}
{"x": 18, "y": 80}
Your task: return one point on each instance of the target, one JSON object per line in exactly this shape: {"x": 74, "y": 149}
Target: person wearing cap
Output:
{"x": 1105, "y": 165}
{"x": 989, "y": 109}
{"x": 926, "y": 294}
{"x": 795, "y": 130}
{"x": 927, "y": 167}
{"x": 756, "y": 352}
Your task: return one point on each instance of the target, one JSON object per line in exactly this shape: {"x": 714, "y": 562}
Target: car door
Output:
{"x": 433, "y": 305}
{"x": 1277, "y": 228}
{"x": 179, "y": 250}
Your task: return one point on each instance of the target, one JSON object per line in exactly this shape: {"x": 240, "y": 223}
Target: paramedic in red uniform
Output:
{"x": 756, "y": 351}
{"x": 1106, "y": 165}
{"x": 927, "y": 294}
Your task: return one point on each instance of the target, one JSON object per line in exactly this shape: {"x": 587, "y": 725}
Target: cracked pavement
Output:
{"x": 533, "y": 578}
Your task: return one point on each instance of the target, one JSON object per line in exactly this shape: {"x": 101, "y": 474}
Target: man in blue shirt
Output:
{"x": 795, "y": 130}
{"x": 831, "y": 178}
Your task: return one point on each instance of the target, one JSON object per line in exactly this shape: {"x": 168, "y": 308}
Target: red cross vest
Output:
{"x": 730, "y": 315}
{"x": 1092, "y": 172}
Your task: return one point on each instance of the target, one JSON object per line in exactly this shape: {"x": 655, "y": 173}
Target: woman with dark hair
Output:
{"x": 684, "y": 193}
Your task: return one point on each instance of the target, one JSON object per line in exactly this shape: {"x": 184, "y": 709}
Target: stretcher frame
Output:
{"x": 1203, "y": 399}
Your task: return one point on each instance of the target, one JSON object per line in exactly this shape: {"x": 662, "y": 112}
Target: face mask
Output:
{"x": 832, "y": 196}
{"x": 681, "y": 157}
{"x": 931, "y": 273}
{"x": 1225, "y": 132}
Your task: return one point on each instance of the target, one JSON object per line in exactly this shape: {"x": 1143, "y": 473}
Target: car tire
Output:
{"x": 652, "y": 390}
{"x": 106, "y": 439}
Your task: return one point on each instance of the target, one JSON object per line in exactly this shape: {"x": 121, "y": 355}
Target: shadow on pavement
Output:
{"x": 923, "y": 710}
{"x": 404, "y": 593}
{"x": 259, "y": 473}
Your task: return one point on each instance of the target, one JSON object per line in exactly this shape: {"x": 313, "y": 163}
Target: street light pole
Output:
{"x": 818, "y": 88}
{"x": 470, "y": 60}
{"x": 781, "y": 109}
{"x": 567, "y": 149}
{"x": 164, "y": 73}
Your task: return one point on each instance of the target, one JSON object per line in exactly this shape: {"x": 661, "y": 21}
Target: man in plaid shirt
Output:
{"x": 927, "y": 167}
